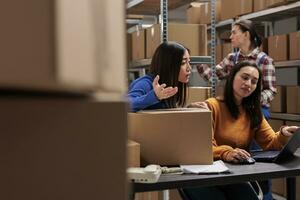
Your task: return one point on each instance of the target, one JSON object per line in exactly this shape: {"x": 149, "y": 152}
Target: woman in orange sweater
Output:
{"x": 237, "y": 120}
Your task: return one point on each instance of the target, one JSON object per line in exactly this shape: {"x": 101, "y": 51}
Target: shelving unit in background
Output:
{"x": 151, "y": 7}
{"x": 287, "y": 72}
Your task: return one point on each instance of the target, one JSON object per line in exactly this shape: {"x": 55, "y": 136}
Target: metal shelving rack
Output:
{"x": 141, "y": 65}
{"x": 270, "y": 14}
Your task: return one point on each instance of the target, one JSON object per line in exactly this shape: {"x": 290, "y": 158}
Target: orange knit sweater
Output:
{"x": 230, "y": 133}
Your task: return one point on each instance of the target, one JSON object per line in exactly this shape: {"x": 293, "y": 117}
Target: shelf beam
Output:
{"x": 288, "y": 63}
{"x": 200, "y": 60}
{"x": 133, "y": 3}
{"x": 285, "y": 116}
{"x": 268, "y": 14}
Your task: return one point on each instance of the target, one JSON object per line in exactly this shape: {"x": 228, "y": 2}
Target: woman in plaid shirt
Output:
{"x": 245, "y": 38}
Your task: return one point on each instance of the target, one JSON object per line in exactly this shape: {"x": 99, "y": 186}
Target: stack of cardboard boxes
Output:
{"x": 58, "y": 141}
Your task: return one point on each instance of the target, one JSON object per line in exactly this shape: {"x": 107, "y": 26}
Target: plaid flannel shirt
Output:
{"x": 268, "y": 70}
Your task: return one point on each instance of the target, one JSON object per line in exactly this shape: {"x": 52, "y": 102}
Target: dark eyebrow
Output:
{"x": 250, "y": 75}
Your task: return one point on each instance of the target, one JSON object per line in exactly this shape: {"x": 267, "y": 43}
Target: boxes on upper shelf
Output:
{"x": 278, "y": 47}
{"x": 233, "y": 8}
{"x": 259, "y": 5}
{"x": 294, "y": 45}
{"x": 138, "y": 44}
{"x": 193, "y": 36}
{"x": 63, "y": 45}
{"x": 200, "y": 13}
{"x": 274, "y": 3}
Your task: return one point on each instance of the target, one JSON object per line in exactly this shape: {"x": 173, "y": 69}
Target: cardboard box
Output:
{"x": 129, "y": 47}
{"x": 294, "y": 39}
{"x": 278, "y": 47}
{"x": 138, "y": 44}
{"x": 193, "y": 13}
{"x": 293, "y": 99}
{"x": 276, "y": 124}
{"x": 196, "y": 94}
{"x": 228, "y": 9}
{"x": 62, "y": 148}
{"x": 233, "y": 8}
{"x": 200, "y": 13}
{"x": 278, "y": 104}
{"x": 173, "y": 136}
{"x": 133, "y": 153}
{"x": 219, "y": 53}
{"x": 226, "y": 49}
{"x": 274, "y": 3}
{"x": 62, "y": 46}
{"x": 279, "y": 186}
{"x": 259, "y": 5}
{"x": 153, "y": 39}
{"x": 245, "y": 7}
{"x": 193, "y": 36}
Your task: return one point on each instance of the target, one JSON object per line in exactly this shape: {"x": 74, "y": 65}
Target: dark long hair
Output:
{"x": 251, "y": 104}
{"x": 247, "y": 25}
{"x": 166, "y": 63}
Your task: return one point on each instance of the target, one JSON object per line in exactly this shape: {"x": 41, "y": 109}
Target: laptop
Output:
{"x": 284, "y": 154}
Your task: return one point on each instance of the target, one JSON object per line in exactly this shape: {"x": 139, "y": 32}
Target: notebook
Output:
{"x": 279, "y": 156}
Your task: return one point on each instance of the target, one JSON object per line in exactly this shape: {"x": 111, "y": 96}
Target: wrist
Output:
{"x": 282, "y": 131}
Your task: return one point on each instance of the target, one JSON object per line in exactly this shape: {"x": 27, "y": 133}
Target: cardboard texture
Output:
{"x": 63, "y": 45}
{"x": 279, "y": 187}
{"x": 153, "y": 39}
{"x": 196, "y": 94}
{"x": 274, "y": 3}
{"x": 259, "y": 5}
{"x": 294, "y": 41}
{"x": 193, "y": 36}
{"x": 138, "y": 44}
{"x": 173, "y": 136}
{"x": 133, "y": 153}
{"x": 278, "y": 104}
{"x": 278, "y": 47}
{"x": 233, "y": 8}
{"x": 276, "y": 124}
{"x": 293, "y": 99}
{"x": 56, "y": 148}
{"x": 226, "y": 49}
{"x": 200, "y": 13}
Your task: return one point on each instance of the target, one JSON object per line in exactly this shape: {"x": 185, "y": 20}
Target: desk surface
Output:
{"x": 238, "y": 173}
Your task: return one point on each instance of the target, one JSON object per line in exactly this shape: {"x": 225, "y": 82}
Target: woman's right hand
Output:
{"x": 162, "y": 91}
{"x": 237, "y": 155}
{"x": 200, "y": 104}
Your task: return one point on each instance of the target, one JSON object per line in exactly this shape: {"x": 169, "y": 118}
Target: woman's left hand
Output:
{"x": 289, "y": 130}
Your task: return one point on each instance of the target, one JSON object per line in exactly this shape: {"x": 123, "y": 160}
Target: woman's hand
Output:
{"x": 162, "y": 91}
{"x": 237, "y": 155}
{"x": 289, "y": 130}
{"x": 200, "y": 104}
